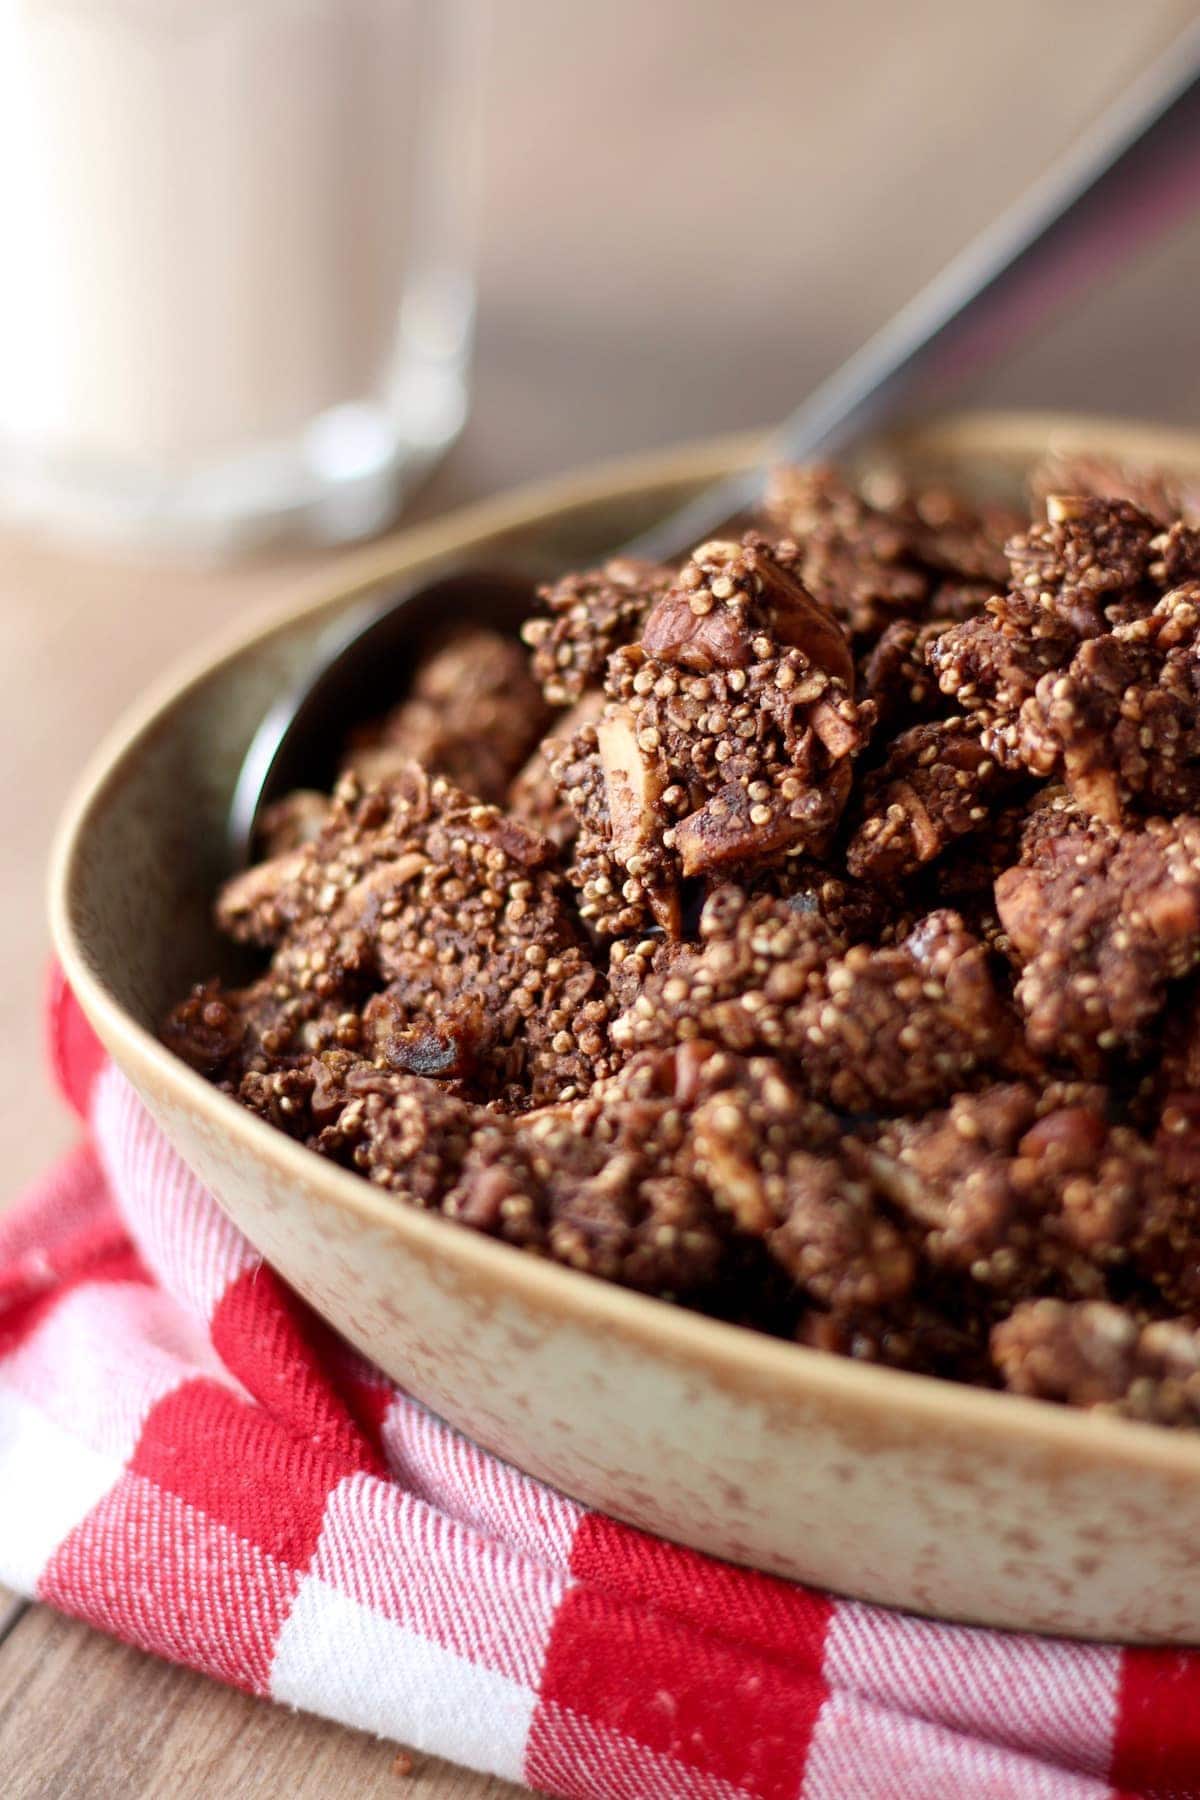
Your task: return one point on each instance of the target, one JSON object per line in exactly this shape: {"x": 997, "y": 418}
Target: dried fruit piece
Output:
{"x": 746, "y": 1056}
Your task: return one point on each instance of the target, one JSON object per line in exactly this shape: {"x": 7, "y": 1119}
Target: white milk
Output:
{"x": 236, "y": 273}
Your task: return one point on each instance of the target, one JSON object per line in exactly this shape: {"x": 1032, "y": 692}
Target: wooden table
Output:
{"x": 694, "y": 209}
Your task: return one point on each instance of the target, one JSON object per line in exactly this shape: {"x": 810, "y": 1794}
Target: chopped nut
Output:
{"x": 677, "y": 721}
{"x": 832, "y": 965}
{"x": 633, "y": 783}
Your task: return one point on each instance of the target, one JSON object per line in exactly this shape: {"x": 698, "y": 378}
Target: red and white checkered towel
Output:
{"x": 189, "y": 1461}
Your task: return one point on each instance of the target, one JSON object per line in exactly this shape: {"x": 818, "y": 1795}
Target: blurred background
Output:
{"x": 687, "y": 214}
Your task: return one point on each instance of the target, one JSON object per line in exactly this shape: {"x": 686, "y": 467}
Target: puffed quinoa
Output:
{"x": 808, "y": 933}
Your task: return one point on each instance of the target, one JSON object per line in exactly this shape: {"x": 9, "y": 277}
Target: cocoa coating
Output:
{"x": 830, "y": 961}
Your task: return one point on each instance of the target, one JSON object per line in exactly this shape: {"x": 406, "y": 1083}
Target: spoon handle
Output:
{"x": 1131, "y": 176}
{"x": 1133, "y": 173}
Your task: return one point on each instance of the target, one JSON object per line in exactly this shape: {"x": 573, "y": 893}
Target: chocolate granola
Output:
{"x": 808, "y": 933}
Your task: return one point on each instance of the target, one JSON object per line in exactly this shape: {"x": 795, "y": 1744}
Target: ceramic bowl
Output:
{"x": 891, "y": 1487}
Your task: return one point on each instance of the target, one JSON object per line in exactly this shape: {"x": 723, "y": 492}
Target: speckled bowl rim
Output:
{"x": 667, "y": 1331}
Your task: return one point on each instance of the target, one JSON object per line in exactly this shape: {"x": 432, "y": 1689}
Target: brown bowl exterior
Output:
{"x": 889, "y": 1487}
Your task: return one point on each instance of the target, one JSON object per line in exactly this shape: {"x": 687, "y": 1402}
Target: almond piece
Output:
{"x": 634, "y": 784}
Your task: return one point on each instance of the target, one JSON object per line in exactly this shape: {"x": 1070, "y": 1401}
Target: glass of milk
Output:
{"x": 236, "y": 293}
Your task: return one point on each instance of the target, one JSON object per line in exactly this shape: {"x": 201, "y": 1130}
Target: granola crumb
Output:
{"x": 808, "y": 934}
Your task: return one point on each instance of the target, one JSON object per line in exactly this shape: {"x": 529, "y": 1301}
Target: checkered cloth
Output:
{"x": 189, "y": 1461}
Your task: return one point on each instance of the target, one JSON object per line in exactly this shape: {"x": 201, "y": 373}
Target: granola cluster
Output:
{"x": 808, "y": 933}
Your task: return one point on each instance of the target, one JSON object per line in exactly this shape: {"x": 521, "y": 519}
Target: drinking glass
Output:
{"x": 237, "y": 293}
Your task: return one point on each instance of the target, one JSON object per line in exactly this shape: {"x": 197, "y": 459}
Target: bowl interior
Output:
{"x": 655, "y": 1405}
{"x": 146, "y": 849}
{"x": 158, "y": 814}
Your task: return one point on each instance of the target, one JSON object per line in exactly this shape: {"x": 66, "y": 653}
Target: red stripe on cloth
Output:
{"x": 770, "y": 1614}
{"x": 239, "y": 1468}
{"x": 76, "y": 1053}
{"x": 45, "y": 1222}
{"x": 623, "y": 1673}
{"x": 104, "y": 1255}
{"x": 1046, "y": 1696}
{"x": 1156, "y": 1748}
{"x": 659, "y": 1673}
{"x": 261, "y": 1331}
{"x": 367, "y": 1393}
{"x": 193, "y": 1249}
{"x": 715, "y": 1668}
{"x": 877, "y": 1753}
{"x": 64, "y": 1227}
{"x": 154, "y": 1571}
{"x": 570, "y": 1756}
{"x": 401, "y": 1561}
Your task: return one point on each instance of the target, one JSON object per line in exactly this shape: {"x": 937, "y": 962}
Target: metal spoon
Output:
{"x": 1133, "y": 173}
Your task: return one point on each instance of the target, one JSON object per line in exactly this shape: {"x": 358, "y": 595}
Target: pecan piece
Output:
{"x": 726, "y": 742}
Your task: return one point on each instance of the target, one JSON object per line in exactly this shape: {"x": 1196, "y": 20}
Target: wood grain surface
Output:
{"x": 139, "y": 1726}
{"x": 693, "y": 211}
